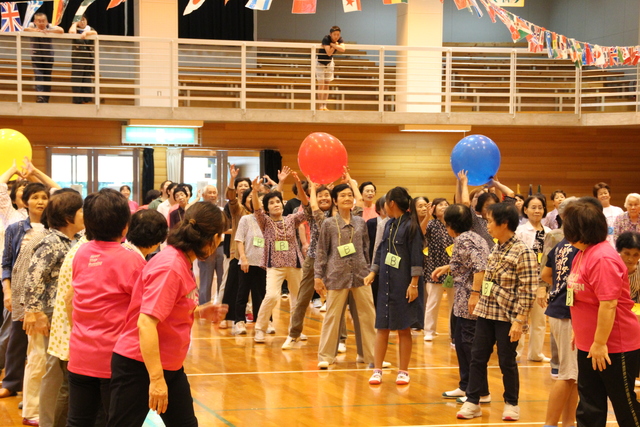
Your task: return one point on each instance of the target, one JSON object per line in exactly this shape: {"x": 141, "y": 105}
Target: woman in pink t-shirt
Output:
{"x": 147, "y": 360}
{"x": 607, "y": 332}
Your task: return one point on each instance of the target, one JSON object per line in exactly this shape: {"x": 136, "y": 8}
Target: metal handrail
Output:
{"x": 181, "y": 73}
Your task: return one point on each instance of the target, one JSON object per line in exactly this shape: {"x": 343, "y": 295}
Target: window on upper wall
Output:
{"x": 88, "y": 170}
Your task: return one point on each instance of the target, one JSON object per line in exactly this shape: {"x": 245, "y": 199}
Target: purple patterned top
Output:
{"x": 470, "y": 254}
{"x": 284, "y": 230}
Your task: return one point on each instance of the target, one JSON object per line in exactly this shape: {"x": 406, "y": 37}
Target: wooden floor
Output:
{"x": 236, "y": 382}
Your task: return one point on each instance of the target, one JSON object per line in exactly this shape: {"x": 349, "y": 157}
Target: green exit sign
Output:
{"x": 159, "y": 135}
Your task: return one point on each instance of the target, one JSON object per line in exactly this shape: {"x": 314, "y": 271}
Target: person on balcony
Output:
{"x": 324, "y": 68}
{"x": 82, "y": 66}
{"x": 42, "y": 52}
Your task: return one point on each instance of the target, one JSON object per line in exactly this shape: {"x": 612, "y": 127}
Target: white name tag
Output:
{"x": 258, "y": 242}
{"x": 282, "y": 245}
{"x": 392, "y": 260}
{"x": 486, "y": 288}
{"x": 346, "y": 250}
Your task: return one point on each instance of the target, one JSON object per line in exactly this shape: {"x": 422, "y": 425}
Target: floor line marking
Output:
{"x": 214, "y": 413}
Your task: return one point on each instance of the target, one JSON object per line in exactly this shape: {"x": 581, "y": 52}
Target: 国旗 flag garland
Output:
{"x": 557, "y": 45}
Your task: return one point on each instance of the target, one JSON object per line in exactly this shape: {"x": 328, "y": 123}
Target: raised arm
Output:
{"x": 32, "y": 173}
{"x": 282, "y": 177}
{"x": 462, "y": 190}
{"x": 301, "y": 194}
{"x": 502, "y": 188}
{"x": 255, "y": 199}
{"x": 6, "y": 176}
{"x": 357, "y": 196}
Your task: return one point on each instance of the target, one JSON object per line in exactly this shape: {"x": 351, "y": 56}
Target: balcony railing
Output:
{"x": 179, "y": 73}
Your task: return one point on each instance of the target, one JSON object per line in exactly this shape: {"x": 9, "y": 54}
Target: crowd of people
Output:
{"x": 100, "y": 294}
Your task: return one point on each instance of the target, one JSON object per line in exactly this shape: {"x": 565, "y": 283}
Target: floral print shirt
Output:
{"x": 279, "y": 231}
{"x": 470, "y": 254}
{"x": 437, "y": 240}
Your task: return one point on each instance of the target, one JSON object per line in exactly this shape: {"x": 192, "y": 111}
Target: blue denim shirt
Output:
{"x": 12, "y": 241}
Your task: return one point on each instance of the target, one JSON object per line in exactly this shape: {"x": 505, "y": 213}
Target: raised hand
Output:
{"x": 462, "y": 176}
{"x": 284, "y": 173}
{"x": 234, "y": 172}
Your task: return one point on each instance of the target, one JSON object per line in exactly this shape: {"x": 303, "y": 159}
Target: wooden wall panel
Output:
{"x": 569, "y": 158}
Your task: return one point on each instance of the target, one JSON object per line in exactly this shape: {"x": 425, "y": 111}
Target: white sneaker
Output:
{"x": 385, "y": 364}
{"x": 317, "y": 303}
{"x": 483, "y": 399}
{"x": 223, "y": 325}
{"x": 323, "y": 308}
{"x": 288, "y": 343}
{"x": 469, "y": 411}
{"x": 270, "y": 329}
{"x": 376, "y": 378}
{"x": 342, "y": 348}
{"x": 303, "y": 337}
{"x": 452, "y": 394}
{"x": 259, "y": 336}
{"x": 240, "y": 328}
{"x": 510, "y": 413}
{"x": 403, "y": 378}
{"x": 323, "y": 365}
{"x": 428, "y": 336}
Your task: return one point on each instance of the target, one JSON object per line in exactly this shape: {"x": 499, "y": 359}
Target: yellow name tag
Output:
{"x": 282, "y": 245}
{"x": 449, "y": 250}
{"x": 346, "y": 250}
{"x": 495, "y": 240}
{"x": 392, "y": 260}
{"x": 425, "y": 251}
{"x": 569, "y": 297}
{"x": 486, "y": 288}
{"x": 539, "y": 257}
{"x": 258, "y": 242}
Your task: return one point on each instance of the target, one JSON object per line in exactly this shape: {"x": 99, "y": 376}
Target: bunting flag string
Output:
{"x": 81, "y": 9}
{"x": 557, "y": 45}
{"x": 10, "y": 18}
{"x": 32, "y": 8}
{"x": 59, "y": 7}
{"x": 114, "y": 3}
{"x": 258, "y": 4}
{"x": 351, "y": 6}
{"x": 304, "y": 6}
{"x": 193, "y": 5}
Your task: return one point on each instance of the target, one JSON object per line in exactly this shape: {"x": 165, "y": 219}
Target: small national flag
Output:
{"x": 304, "y": 6}
{"x": 394, "y": 1}
{"x": 10, "y": 18}
{"x": 32, "y": 8}
{"x": 193, "y": 5}
{"x": 81, "y": 9}
{"x": 114, "y": 3}
{"x": 351, "y": 6}
{"x": 258, "y": 4}
{"x": 59, "y": 7}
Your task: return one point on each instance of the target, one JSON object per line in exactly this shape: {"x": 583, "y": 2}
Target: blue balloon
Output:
{"x": 478, "y": 155}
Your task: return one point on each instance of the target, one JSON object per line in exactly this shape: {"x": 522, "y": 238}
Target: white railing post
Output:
{"x": 578, "y": 90}
{"x": 313, "y": 77}
{"x": 19, "y": 67}
{"x": 96, "y": 72}
{"x": 243, "y": 77}
{"x": 381, "y": 60}
{"x": 447, "y": 80}
{"x": 512, "y": 83}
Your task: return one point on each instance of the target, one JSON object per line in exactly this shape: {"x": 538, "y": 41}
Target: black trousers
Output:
{"x": 88, "y": 397}
{"x": 15, "y": 358}
{"x": 489, "y": 333}
{"x": 130, "y": 395}
{"x": 616, "y": 383}
{"x": 254, "y": 282}
{"x": 464, "y": 333}
{"x": 231, "y": 289}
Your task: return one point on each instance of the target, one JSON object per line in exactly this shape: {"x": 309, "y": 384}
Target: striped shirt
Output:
{"x": 634, "y": 284}
{"x": 513, "y": 269}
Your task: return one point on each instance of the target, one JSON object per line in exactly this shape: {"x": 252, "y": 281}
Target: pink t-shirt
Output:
{"x": 602, "y": 276}
{"x": 370, "y": 212}
{"x": 167, "y": 291}
{"x": 103, "y": 278}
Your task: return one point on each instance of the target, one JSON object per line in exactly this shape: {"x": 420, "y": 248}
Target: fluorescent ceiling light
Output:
{"x": 435, "y": 128}
{"x": 166, "y": 123}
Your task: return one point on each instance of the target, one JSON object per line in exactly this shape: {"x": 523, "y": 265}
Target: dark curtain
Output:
{"x": 271, "y": 163}
{"x": 148, "y": 171}
{"x": 108, "y": 22}
{"x": 216, "y": 21}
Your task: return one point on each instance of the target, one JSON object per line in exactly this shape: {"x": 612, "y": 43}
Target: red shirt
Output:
{"x": 103, "y": 278}
{"x": 166, "y": 290}
{"x": 602, "y": 276}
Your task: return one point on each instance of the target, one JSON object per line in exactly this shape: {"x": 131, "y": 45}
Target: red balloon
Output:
{"x": 322, "y": 157}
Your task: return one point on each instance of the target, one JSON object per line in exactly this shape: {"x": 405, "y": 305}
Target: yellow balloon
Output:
{"x": 13, "y": 146}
